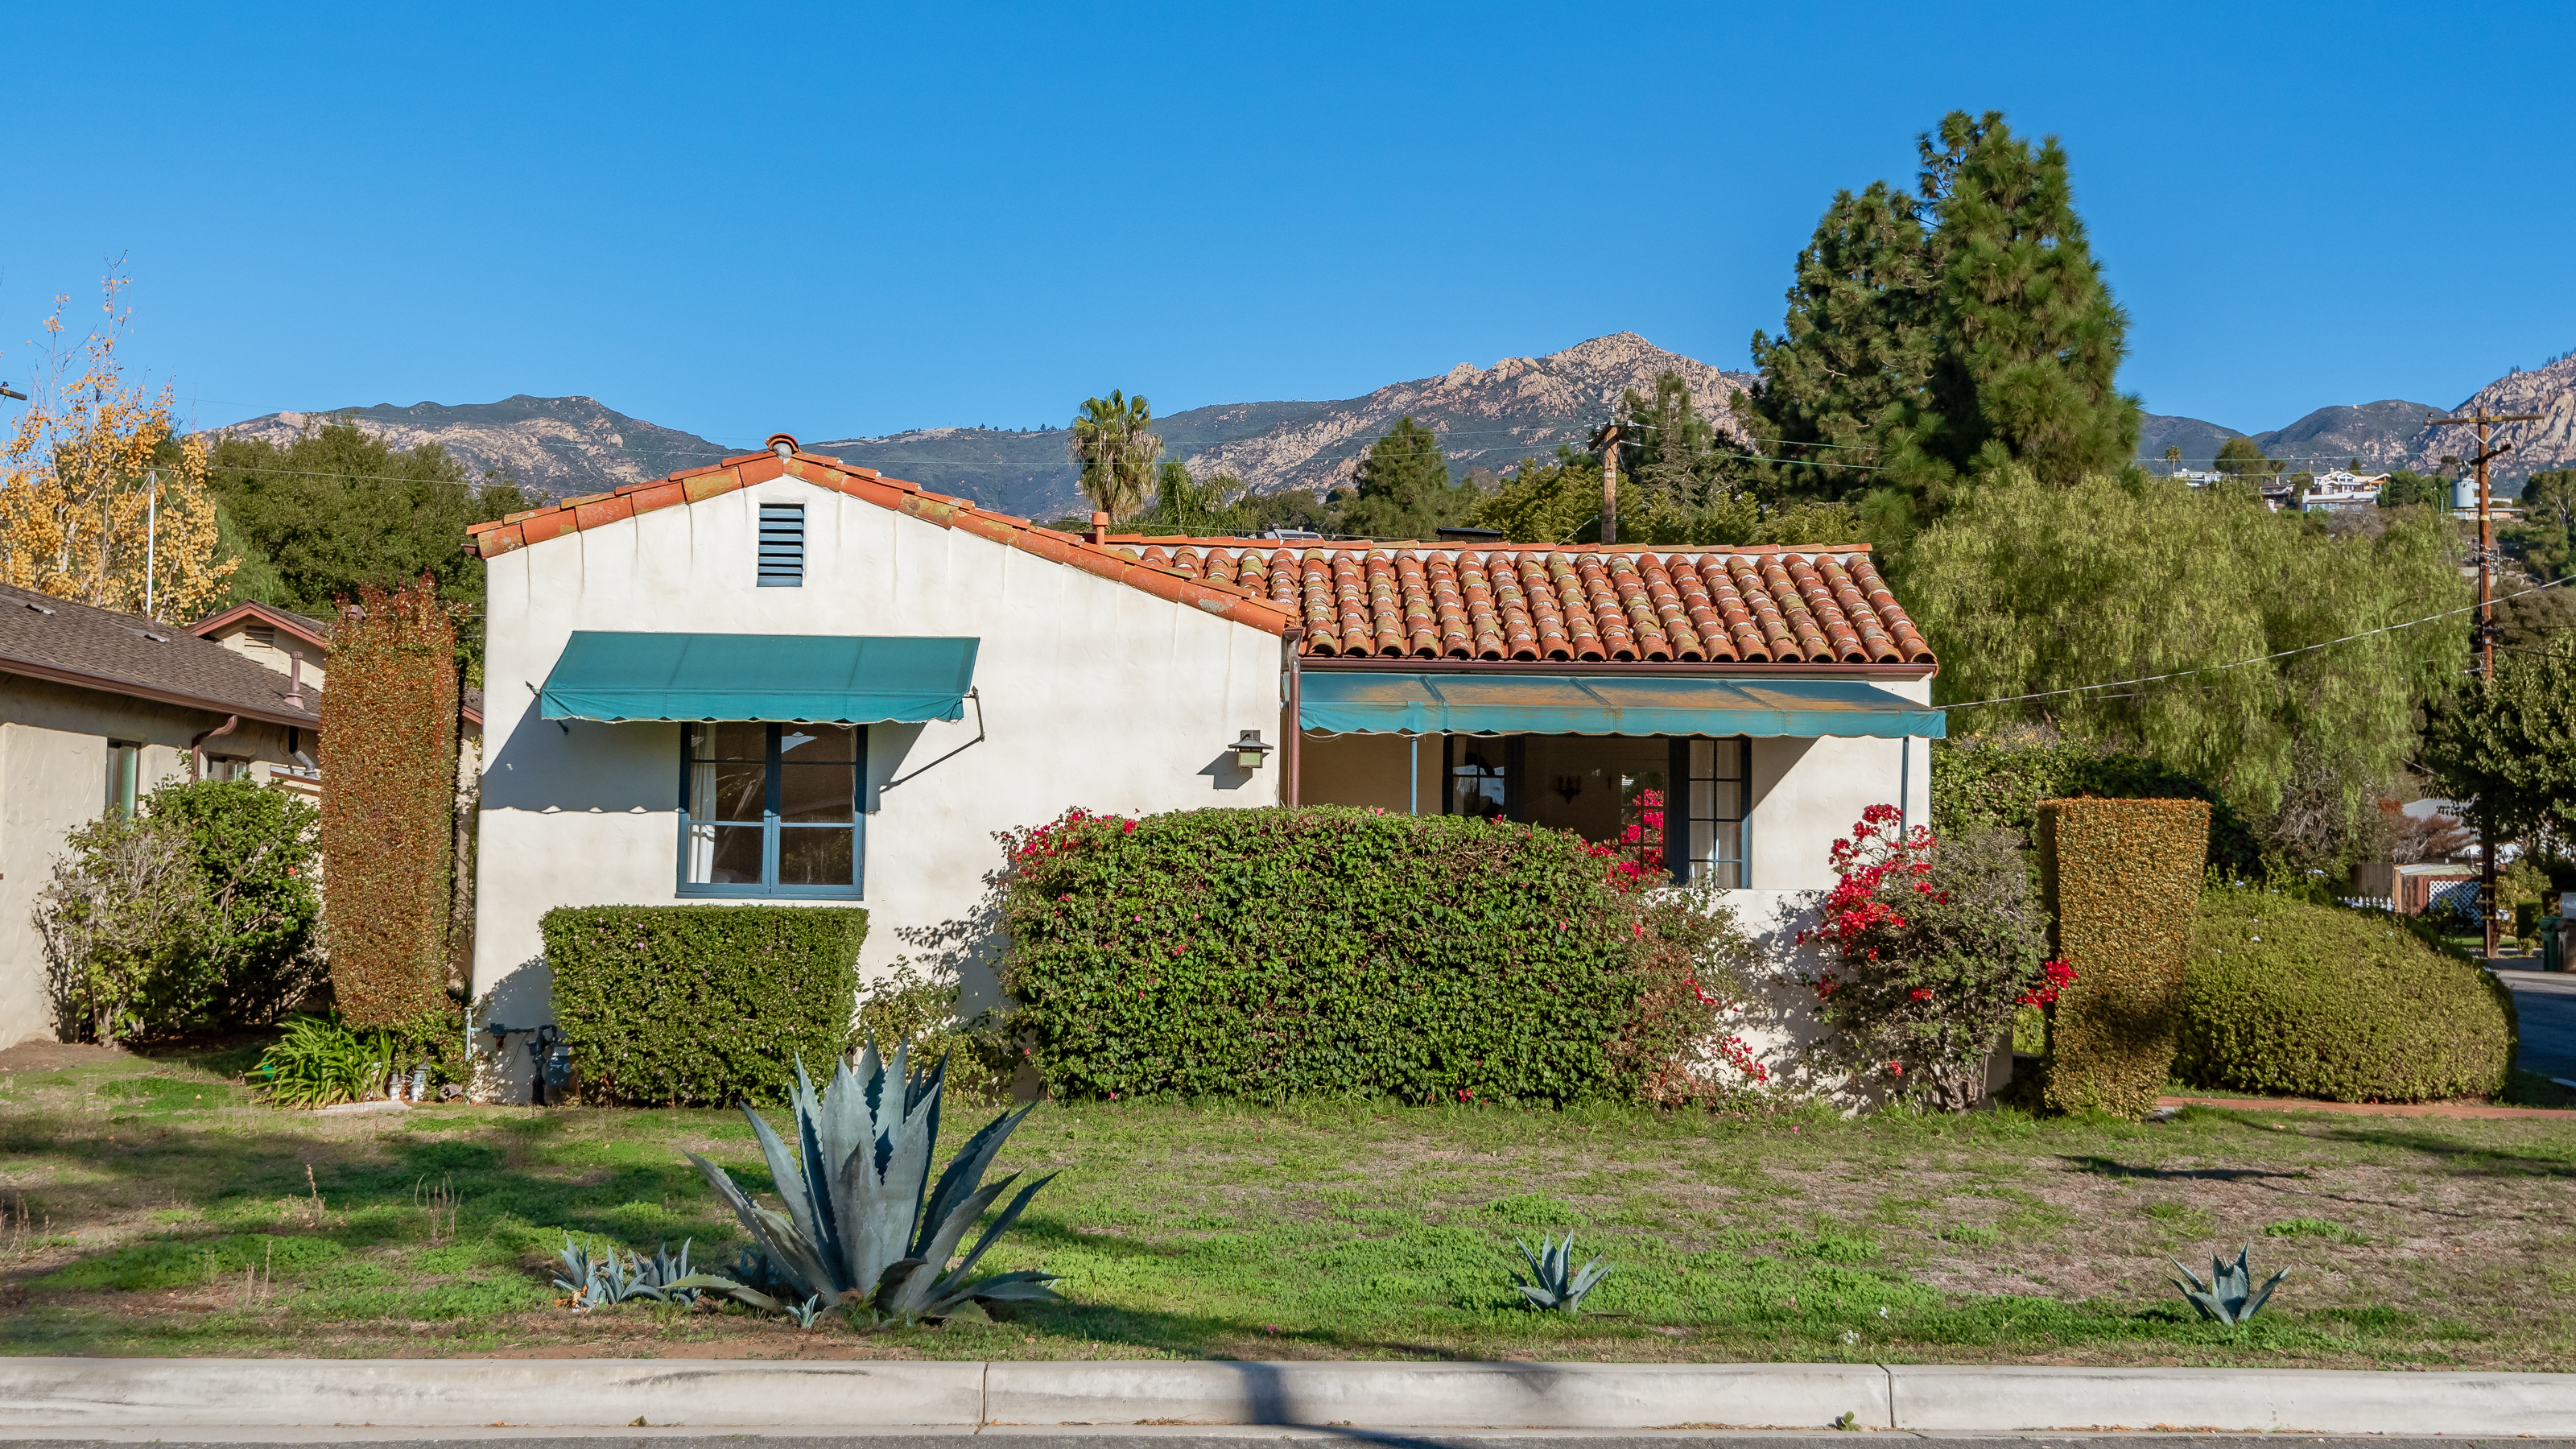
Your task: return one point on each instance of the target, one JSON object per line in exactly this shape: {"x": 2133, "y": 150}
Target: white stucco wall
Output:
{"x": 1094, "y": 694}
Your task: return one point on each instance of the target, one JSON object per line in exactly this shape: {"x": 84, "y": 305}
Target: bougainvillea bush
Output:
{"x": 1330, "y": 951}
{"x": 1930, "y": 946}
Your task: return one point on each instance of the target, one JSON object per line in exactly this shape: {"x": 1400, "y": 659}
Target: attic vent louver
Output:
{"x": 782, "y": 545}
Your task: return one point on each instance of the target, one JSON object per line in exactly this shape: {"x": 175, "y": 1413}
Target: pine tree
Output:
{"x": 1856, "y": 345}
{"x": 1403, "y": 487}
{"x": 1931, "y": 340}
{"x": 2030, "y": 340}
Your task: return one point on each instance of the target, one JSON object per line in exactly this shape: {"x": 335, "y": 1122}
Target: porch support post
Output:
{"x": 1293, "y": 746}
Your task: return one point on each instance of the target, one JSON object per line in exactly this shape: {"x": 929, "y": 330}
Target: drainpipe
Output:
{"x": 197, "y": 746}
{"x": 1288, "y": 642}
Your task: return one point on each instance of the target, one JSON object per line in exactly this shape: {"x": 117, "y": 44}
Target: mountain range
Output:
{"x": 1489, "y": 418}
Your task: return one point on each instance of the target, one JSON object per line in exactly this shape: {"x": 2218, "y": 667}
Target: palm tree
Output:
{"x": 1113, "y": 444}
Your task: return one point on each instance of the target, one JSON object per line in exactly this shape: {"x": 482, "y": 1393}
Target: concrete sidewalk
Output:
{"x": 238, "y": 1399}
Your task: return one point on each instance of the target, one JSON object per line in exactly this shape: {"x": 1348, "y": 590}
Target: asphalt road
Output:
{"x": 1232, "y": 1438}
{"x": 2546, "y": 1002}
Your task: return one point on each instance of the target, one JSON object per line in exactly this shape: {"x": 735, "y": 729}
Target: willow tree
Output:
{"x": 2262, "y": 643}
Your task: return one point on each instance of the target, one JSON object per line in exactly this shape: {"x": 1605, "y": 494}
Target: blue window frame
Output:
{"x": 769, "y": 810}
{"x": 1713, "y": 839}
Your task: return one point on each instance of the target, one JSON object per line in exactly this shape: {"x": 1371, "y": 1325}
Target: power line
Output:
{"x": 2241, "y": 663}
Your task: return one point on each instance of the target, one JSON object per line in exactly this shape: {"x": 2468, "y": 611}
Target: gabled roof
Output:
{"x": 303, "y": 626}
{"x": 572, "y": 515}
{"x": 1384, "y": 601}
{"x": 42, "y": 637}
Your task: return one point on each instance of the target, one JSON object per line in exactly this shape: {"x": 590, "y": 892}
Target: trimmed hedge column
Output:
{"x": 2122, "y": 879}
{"x": 702, "y": 1006}
{"x": 389, "y": 805}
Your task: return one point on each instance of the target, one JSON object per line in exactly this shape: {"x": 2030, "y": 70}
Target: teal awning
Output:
{"x": 1425, "y": 703}
{"x": 840, "y": 679}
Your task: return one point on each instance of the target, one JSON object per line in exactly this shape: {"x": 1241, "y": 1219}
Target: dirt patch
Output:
{"x": 47, "y": 1056}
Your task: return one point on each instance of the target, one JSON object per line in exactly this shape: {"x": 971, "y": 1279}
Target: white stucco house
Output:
{"x": 787, "y": 679}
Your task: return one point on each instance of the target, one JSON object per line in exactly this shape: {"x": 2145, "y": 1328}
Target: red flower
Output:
{"x": 1922, "y": 993}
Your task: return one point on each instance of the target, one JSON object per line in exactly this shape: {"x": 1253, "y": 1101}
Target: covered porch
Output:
{"x": 1735, "y": 782}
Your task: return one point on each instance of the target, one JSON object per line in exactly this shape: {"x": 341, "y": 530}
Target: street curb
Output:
{"x": 107, "y": 1394}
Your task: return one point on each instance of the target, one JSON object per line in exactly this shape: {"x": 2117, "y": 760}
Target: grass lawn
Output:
{"x": 152, "y": 1210}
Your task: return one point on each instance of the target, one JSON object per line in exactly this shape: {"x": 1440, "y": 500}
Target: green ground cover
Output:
{"x": 152, "y": 1210}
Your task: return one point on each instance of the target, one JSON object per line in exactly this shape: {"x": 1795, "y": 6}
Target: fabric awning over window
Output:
{"x": 1393, "y": 702}
{"x": 840, "y": 679}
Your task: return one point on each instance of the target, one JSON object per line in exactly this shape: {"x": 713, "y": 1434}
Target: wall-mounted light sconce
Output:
{"x": 1569, "y": 786}
{"x": 1248, "y": 750}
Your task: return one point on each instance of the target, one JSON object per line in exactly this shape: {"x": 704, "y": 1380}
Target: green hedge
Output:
{"x": 2122, "y": 878}
{"x": 702, "y": 1005}
{"x": 2340, "y": 1004}
{"x": 1322, "y": 950}
{"x": 2000, "y": 781}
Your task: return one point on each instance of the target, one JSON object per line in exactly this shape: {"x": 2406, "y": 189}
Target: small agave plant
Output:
{"x": 2229, "y": 1296}
{"x": 618, "y": 1277}
{"x": 864, "y": 1229}
{"x": 1553, "y": 1283}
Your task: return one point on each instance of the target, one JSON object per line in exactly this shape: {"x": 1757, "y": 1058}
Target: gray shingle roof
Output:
{"x": 52, "y": 638}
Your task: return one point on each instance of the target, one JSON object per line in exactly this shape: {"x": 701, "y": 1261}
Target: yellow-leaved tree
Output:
{"x": 98, "y": 503}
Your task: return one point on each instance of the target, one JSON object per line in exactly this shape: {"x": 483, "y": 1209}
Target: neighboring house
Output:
{"x": 96, "y": 708}
{"x": 784, "y": 679}
{"x": 299, "y": 647}
{"x": 2342, "y": 488}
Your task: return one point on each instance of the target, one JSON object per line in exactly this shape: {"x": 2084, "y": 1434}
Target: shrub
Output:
{"x": 116, "y": 918}
{"x": 320, "y": 1061}
{"x": 702, "y": 1005}
{"x": 388, "y": 819}
{"x": 2335, "y": 1003}
{"x": 910, "y": 1005}
{"x": 253, "y": 849}
{"x": 1279, "y": 952}
{"x": 2122, "y": 879}
{"x": 1934, "y": 946}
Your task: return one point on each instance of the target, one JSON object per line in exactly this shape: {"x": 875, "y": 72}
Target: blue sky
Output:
{"x": 851, "y": 219}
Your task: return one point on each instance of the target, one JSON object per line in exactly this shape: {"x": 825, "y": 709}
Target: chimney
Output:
{"x": 1099, "y": 527}
{"x": 295, "y": 678}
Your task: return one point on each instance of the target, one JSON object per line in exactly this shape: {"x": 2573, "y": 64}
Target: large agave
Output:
{"x": 2229, "y": 1296}
{"x": 1553, "y": 1283}
{"x": 863, "y": 1227}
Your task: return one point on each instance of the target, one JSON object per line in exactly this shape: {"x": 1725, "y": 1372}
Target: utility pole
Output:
{"x": 151, "y": 540}
{"x": 2486, "y": 630}
{"x": 1606, "y": 442}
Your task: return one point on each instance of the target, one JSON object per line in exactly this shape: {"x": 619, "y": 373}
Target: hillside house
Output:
{"x": 785, "y": 679}
{"x": 2342, "y": 488}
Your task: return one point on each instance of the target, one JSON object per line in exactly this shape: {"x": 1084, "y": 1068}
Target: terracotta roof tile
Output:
{"x": 1358, "y": 600}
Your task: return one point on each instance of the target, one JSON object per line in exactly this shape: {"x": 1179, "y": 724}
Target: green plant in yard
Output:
{"x": 2229, "y": 1296}
{"x": 863, "y": 1228}
{"x": 1554, "y": 1284}
{"x": 319, "y": 1061}
{"x": 1327, "y": 950}
{"x": 636, "y": 986}
{"x": 614, "y": 1277}
{"x": 1933, "y": 947}
{"x": 2323, "y": 1001}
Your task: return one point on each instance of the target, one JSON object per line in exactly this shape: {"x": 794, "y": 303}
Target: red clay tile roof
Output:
{"x": 1539, "y": 602}
{"x": 1548, "y": 602}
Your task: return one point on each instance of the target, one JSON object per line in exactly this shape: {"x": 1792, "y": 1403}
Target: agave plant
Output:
{"x": 864, "y": 1228}
{"x": 616, "y": 1278}
{"x": 2229, "y": 1296}
{"x": 1553, "y": 1283}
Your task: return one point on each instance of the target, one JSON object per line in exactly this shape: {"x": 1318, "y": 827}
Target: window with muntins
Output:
{"x": 771, "y": 809}
{"x": 782, "y": 545}
{"x": 1712, "y": 839}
